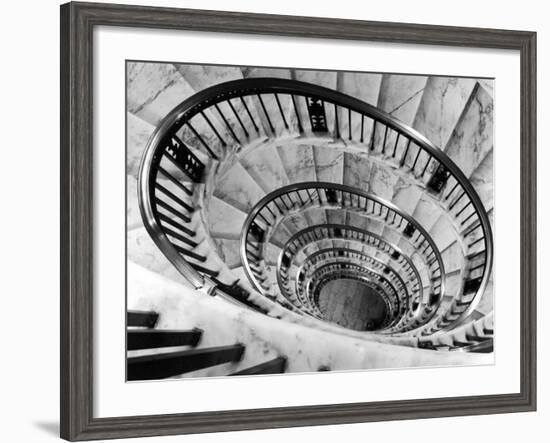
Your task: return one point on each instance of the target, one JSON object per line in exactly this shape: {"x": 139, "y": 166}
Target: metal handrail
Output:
{"x": 309, "y": 266}
{"x": 378, "y": 239}
{"x": 362, "y": 271}
{"x": 386, "y": 284}
{"x": 199, "y": 102}
{"x": 296, "y": 187}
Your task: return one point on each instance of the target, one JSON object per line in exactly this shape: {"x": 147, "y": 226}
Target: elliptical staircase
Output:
{"x": 261, "y": 189}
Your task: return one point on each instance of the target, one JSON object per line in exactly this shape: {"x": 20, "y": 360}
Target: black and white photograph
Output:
{"x": 284, "y": 220}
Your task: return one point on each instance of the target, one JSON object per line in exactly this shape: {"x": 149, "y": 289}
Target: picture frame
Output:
{"x": 78, "y": 21}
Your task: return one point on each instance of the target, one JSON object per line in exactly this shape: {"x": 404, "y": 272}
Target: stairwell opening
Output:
{"x": 352, "y": 304}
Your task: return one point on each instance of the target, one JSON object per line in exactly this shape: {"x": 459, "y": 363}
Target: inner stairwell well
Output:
{"x": 294, "y": 221}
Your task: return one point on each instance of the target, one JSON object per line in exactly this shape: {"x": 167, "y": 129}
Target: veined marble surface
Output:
{"x": 483, "y": 180}
{"x": 264, "y": 165}
{"x": 228, "y": 250}
{"x": 357, "y": 171}
{"x": 154, "y": 89}
{"x": 400, "y": 95}
{"x": 143, "y": 251}
{"x": 472, "y": 138}
{"x": 224, "y": 220}
{"x": 329, "y": 164}
{"x": 442, "y": 103}
{"x": 133, "y": 215}
{"x": 265, "y": 337}
{"x": 238, "y": 188}
{"x": 382, "y": 181}
{"x": 138, "y": 133}
{"x": 298, "y": 162}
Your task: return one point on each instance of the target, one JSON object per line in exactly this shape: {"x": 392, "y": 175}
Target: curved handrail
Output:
{"x": 362, "y": 270}
{"x": 309, "y": 265}
{"x": 345, "y": 190}
{"x": 357, "y": 272}
{"x": 379, "y": 243}
{"x": 202, "y": 100}
{"x": 387, "y": 284}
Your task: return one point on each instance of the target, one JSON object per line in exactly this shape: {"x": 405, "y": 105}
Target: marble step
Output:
{"x": 138, "y": 133}
{"x": 472, "y": 137}
{"x": 443, "y": 233}
{"x": 279, "y": 235}
{"x": 236, "y": 187}
{"x": 486, "y": 303}
{"x": 400, "y": 95}
{"x": 264, "y": 165}
{"x": 426, "y": 212}
{"x": 365, "y": 87}
{"x": 482, "y": 180}
{"x": 453, "y": 258}
{"x": 142, "y": 251}
{"x": 271, "y": 104}
{"x": 442, "y": 103}
{"x": 203, "y": 76}
{"x": 271, "y": 254}
{"x": 329, "y": 164}
{"x": 470, "y": 328}
{"x": 229, "y": 252}
{"x": 154, "y": 89}
{"x": 133, "y": 215}
{"x": 357, "y": 171}
{"x": 297, "y": 222}
{"x": 327, "y": 79}
{"x": 224, "y": 220}
{"x": 298, "y": 161}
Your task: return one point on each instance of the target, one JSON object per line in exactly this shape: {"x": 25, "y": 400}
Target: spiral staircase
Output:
{"x": 295, "y": 221}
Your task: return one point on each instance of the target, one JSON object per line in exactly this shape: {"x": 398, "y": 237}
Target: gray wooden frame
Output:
{"x": 77, "y": 23}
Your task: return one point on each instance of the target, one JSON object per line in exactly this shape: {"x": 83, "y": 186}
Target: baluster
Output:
{"x": 349, "y": 124}
{"x": 463, "y": 222}
{"x": 176, "y": 225}
{"x": 395, "y": 145}
{"x": 373, "y": 135}
{"x": 238, "y": 118}
{"x": 196, "y": 134}
{"x": 250, "y": 115}
{"x": 404, "y": 158}
{"x": 173, "y": 211}
{"x": 173, "y": 197}
{"x": 336, "y": 120}
{"x": 416, "y": 159}
{"x": 175, "y": 181}
{"x": 300, "y": 127}
{"x": 384, "y": 142}
{"x": 266, "y": 114}
{"x": 180, "y": 237}
{"x": 222, "y": 115}
{"x": 453, "y": 204}
{"x": 281, "y": 110}
{"x": 189, "y": 253}
{"x": 220, "y": 138}
{"x": 462, "y": 210}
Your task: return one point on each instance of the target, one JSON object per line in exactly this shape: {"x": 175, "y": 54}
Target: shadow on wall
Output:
{"x": 48, "y": 427}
